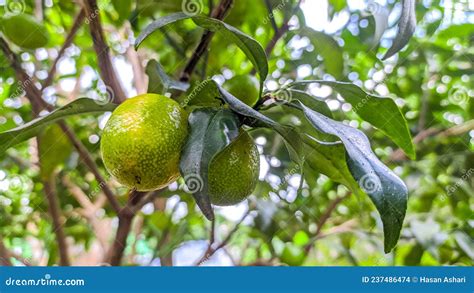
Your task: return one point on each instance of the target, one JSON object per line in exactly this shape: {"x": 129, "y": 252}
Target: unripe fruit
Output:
{"x": 244, "y": 87}
{"x": 233, "y": 173}
{"x": 25, "y": 31}
{"x": 141, "y": 143}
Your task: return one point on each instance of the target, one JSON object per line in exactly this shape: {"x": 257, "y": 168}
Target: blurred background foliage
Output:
{"x": 431, "y": 81}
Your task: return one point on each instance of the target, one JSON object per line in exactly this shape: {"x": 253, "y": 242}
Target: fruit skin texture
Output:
{"x": 244, "y": 87}
{"x": 25, "y": 31}
{"x": 233, "y": 173}
{"x": 141, "y": 143}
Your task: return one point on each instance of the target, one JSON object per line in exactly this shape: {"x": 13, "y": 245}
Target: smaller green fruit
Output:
{"x": 244, "y": 87}
{"x": 233, "y": 173}
{"x": 25, "y": 31}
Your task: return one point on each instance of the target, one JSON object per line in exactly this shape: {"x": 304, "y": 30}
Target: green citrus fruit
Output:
{"x": 233, "y": 173}
{"x": 245, "y": 88}
{"x": 142, "y": 141}
{"x": 25, "y": 31}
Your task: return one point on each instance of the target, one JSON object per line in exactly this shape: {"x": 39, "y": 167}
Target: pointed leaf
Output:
{"x": 381, "y": 112}
{"x": 385, "y": 189}
{"x": 329, "y": 50}
{"x": 211, "y": 130}
{"x": 159, "y": 82}
{"x": 34, "y": 127}
{"x": 406, "y": 28}
{"x": 252, "y": 49}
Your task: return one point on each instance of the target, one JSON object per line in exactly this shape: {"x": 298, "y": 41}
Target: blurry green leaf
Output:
{"x": 329, "y": 50}
{"x": 406, "y": 28}
{"x": 33, "y": 128}
{"x": 123, "y": 8}
{"x": 386, "y": 190}
{"x": 159, "y": 82}
{"x": 54, "y": 149}
{"x": 381, "y": 112}
{"x": 211, "y": 130}
{"x": 465, "y": 243}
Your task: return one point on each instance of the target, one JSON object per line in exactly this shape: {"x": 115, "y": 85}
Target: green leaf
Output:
{"x": 159, "y": 23}
{"x": 385, "y": 189}
{"x": 54, "y": 148}
{"x": 123, "y": 8}
{"x": 381, "y": 112}
{"x": 252, "y": 49}
{"x": 406, "y": 28}
{"x": 205, "y": 94}
{"x": 329, "y": 50}
{"x": 33, "y": 128}
{"x": 289, "y": 134}
{"x": 315, "y": 103}
{"x": 159, "y": 82}
{"x": 211, "y": 130}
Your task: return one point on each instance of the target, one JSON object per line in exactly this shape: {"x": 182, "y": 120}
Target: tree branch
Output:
{"x": 324, "y": 218}
{"x": 210, "y": 249}
{"x": 125, "y": 217}
{"x": 104, "y": 61}
{"x": 55, "y": 212}
{"x": 69, "y": 38}
{"x": 218, "y": 13}
{"x": 282, "y": 30}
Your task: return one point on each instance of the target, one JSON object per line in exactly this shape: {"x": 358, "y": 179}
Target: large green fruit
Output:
{"x": 25, "y": 31}
{"x": 245, "y": 88}
{"x": 141, "y": 143}
{"x": 233, "y": 173}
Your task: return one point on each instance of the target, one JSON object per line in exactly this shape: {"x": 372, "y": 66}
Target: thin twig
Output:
{"x": 211, "y": 250}
{"x": 104, "y": 61}
{"x": 467, "y": 126}
{"x": 324, "y": 218}
{"x": 218, "y": 13}
{"x": 282, "y": 30}
{"x": 55, "y": 212}
{"x": 69, "y": 38}
{"x": 4, "y": 254}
